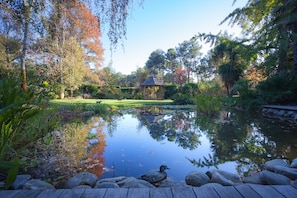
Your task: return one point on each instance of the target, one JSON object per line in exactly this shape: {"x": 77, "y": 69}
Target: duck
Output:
{"x": 155, "y": 176}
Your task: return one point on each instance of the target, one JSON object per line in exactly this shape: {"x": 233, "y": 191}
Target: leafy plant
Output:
{"x": 20, "y": 112}
{"x": 208, "y": 104}
{"x": 280, "y": 88}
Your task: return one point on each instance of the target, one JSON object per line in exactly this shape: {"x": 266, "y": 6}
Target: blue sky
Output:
{"x": 163, "y": 24}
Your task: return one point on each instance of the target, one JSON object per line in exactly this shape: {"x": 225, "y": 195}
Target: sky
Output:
{"x": 163, "y": 24}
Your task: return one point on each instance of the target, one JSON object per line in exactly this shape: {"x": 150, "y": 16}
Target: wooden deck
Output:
{"x": 246, "y": 190}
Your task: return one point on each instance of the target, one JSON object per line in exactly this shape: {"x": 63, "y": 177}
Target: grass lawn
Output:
{"x": 109, "y": 102}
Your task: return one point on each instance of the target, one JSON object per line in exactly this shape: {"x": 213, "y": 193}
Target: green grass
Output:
{"x": 91, "y": 103}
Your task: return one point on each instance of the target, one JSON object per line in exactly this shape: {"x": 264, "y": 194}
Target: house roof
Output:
{"x": 152, "y": 81}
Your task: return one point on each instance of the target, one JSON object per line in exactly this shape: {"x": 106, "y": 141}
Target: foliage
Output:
{"x": 272, "y": 25}
{"x": 280, "y": 88}
{"x": 190, "y": 88}
{"x": 170, "y": 91}
{"x": 246, "y": 96}
{"x": 186, "y": 94}
{"x": 156, "y": 62}
{"x": 20, "y": 112}
{"x": 182, "y": 99}
{"x": 208, "y": 104}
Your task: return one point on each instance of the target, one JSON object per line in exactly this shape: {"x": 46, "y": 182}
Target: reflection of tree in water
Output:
{"x": 248, "y": 140}
{"x": 66, "y": 154}
{"x": 177, "y": 126}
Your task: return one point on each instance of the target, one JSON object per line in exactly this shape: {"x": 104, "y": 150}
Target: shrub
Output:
{"x": 190, "y": 88}
{"x": 280, "y": 88}
{"x": 208, "y": 104}
{"x": 170, "y": 91}
{"x": 183, "y": 99}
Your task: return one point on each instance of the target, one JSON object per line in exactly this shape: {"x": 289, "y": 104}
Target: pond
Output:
{"x": 138, "y": 140}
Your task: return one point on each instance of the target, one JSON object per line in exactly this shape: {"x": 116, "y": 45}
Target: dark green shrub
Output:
{"x": 190, "y": 88}
{"x": 183, "y": 99}
{"x": 244, "y": 96}
{"x": 208, "y": 104}
{"x": 280, "y": 88}
{"x": 170, "y": 91}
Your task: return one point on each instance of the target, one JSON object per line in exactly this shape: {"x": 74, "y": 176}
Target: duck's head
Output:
{"x": 163, "y": 168}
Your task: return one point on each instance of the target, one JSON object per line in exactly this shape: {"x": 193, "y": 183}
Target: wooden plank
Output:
{"x": 161, "y": 193}
{"x": 116, "y": 192}
{"x": 72, "y": 193}
{"x": 50, "y": 193}
{"x": 182, "y": 192}
{"x": 247, "y": 191}
{"x": 266, "y": 191}
{"x": 227, "y": 191}
{"x": 286, "y": 190}
{"x": 27, "y": 194}
{"x": 138, "y": 192}
{"x": 94, "y": 193}
{"x": 205, "y": 191}
{"x": 9, "y": 193}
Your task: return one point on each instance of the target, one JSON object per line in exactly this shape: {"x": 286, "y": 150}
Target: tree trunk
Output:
{"x": 23, "y": 55}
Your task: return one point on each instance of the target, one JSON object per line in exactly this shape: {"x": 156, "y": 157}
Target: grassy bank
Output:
{"x": 91, "y": 104}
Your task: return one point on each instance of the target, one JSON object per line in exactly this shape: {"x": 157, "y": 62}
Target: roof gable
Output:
{"x": 152, "y": 81}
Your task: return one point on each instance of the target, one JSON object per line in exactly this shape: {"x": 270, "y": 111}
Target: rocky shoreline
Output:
{"x": 282, "y": 113}
{"x": 275, "y": 172}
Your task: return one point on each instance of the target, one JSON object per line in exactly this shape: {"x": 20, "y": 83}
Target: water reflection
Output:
{"x": 249, "y": 140}
{"x": 76, "y": 148}
{"x": 176, "y": 126}
{"x": 237, "y": 141}
{"x": 135, "y": 141}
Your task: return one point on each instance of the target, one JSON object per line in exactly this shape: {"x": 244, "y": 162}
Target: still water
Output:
{"x": 138, "y": 140}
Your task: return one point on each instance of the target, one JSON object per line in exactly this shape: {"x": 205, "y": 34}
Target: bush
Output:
{"x": 208, "y": 104}
{"x": 190, "y": 88}
{"x": 182, "y": 99}
{"x": 246, "y": 97}
{"x": 280, "y": 88}
{"x": 170, "y": 91}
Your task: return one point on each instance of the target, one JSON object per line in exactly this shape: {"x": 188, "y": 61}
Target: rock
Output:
{"x": 254, "y": 179}
{"x": 220, "y": 179}
{"x": 84, "y": 178}
{"x": 196, "y": 178}
{"x": 132, "y": 182}
{"x": 83, "y": 187}
{"x": 286, "y": 171}
{"x": 106, "y": 185}
{"x": 294, "y": 163}
{"x": 113, "y": 179}
{"x": 20, "y": 181}
{"x": 234, "y": 178}
{"x": 274, "y": 179}
{"x": 37, "y": 184}
{"x": 269, "y": 165}
{"x": 169, "y": 183}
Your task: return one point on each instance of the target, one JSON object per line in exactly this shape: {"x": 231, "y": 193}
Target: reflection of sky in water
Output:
{"x": 132, "y": 152}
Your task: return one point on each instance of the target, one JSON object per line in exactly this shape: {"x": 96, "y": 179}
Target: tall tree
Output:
{"x": 229, "y": 56}
{"x": 156, "y": 62}
{"x": 171, "y": 62}
{"x": 189, "y": 54}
